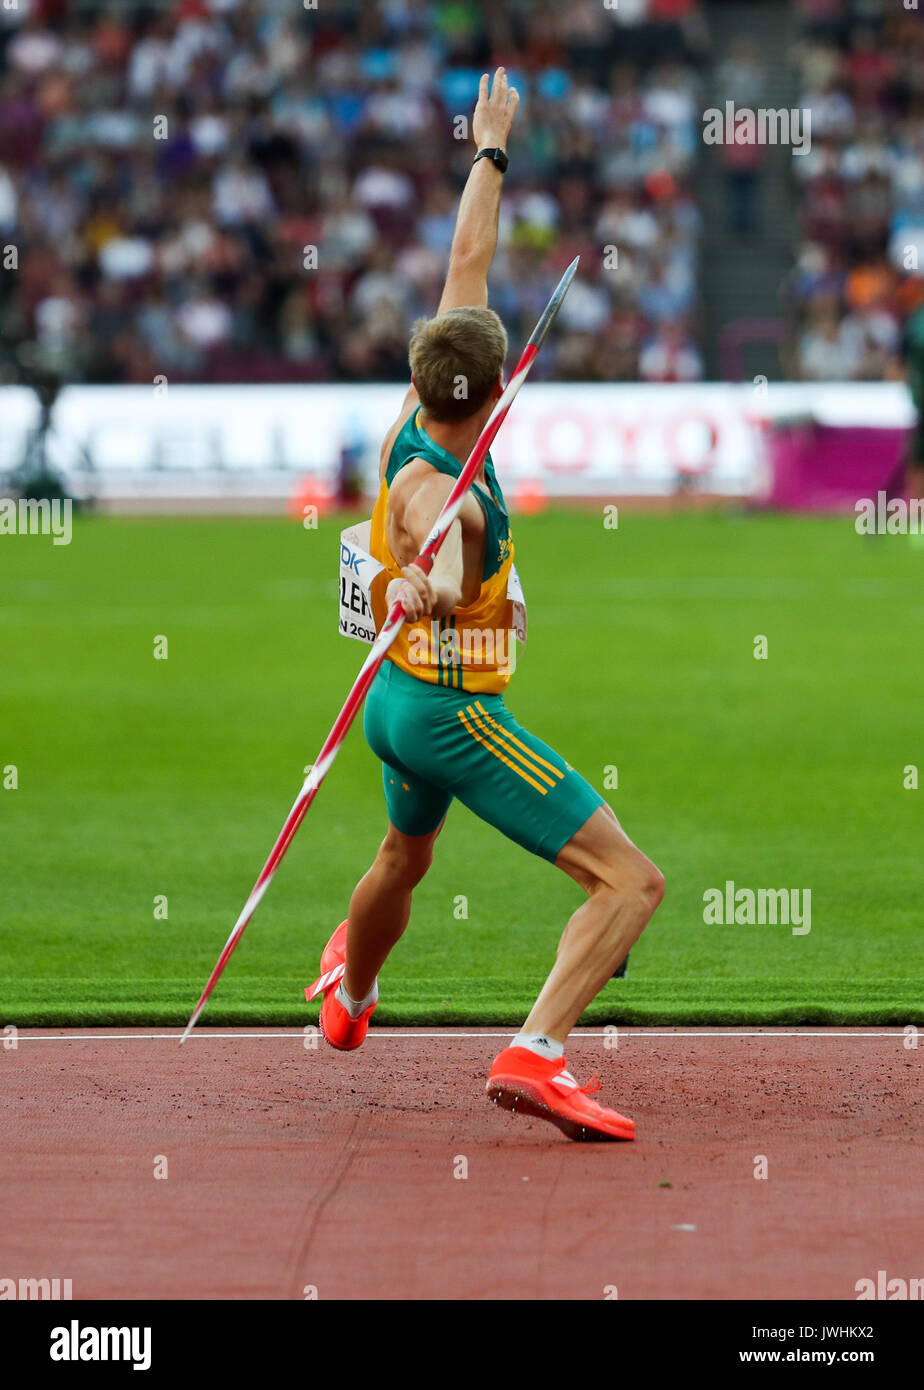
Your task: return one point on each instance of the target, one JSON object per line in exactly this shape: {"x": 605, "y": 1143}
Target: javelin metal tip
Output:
{"x": 569, "y": 276}
{"x": 540, "y": 332}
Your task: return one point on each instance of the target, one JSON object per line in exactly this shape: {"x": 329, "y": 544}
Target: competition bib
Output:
{"x": 357, "y": 571}
{"x": 518, "y": 602}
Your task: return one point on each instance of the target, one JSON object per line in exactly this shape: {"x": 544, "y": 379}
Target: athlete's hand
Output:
{"x": 494, "y": 113}
{"x": 414, "y": 592}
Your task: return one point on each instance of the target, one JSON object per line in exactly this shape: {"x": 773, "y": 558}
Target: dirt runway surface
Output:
{"x": 387, "y": 1174}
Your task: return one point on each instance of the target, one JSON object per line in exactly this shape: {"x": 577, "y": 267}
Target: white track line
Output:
{"x": 375, "y": 1035}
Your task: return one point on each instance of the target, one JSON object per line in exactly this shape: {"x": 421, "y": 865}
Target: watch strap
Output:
{"x": 497, "y": 157}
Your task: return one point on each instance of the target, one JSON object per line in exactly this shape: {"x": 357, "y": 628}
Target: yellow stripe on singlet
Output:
{"x": 503, "y": 757}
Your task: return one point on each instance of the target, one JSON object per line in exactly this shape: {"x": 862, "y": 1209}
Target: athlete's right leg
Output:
{"x": 380, "y": 907}
{"x": 519, "y": 784}
{"x": 624, "y": 888}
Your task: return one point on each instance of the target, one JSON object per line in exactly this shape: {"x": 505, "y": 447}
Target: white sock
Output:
{"x": 539, "y": 1043}
{"x": 351, "y": 1006}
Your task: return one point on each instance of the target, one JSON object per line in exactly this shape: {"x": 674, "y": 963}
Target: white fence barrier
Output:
{"x": 209, "y": 443}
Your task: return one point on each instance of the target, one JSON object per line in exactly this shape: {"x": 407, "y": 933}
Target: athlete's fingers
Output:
{"x": 422, "y": 584}
{"x": 414, "y": 592}
{"x": 411, "y": 602}
{"x": 400, "y": 591}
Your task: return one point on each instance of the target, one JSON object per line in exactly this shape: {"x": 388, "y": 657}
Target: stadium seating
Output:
{"x": 166, "y": 169}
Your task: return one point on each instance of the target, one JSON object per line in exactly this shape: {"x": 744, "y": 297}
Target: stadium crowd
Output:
{"x": 861, "y": 188}
{"x": 166, "y": 170}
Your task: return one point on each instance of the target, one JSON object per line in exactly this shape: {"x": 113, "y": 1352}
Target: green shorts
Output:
{"x": 437, "y": 743}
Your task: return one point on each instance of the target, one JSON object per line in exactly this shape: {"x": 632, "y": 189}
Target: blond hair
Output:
{"x": 455, "y": 361}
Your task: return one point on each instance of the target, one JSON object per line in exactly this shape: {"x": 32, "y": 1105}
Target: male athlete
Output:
{"x": 435, "y": 713}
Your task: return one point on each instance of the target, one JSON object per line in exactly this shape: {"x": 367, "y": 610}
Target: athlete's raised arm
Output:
{"x": 475, "y": 238}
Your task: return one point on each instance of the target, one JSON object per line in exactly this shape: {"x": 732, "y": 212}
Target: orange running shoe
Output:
{"x": 530, "y": 1085}
{"x": 338, "y": 1028}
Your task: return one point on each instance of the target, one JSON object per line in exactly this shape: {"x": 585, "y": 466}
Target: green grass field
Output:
{"x": 140, "y": 777}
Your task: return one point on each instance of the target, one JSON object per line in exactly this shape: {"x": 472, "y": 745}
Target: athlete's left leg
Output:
{"x": 380, "y": 907}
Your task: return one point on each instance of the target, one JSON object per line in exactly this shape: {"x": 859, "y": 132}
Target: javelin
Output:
{"x": 390, "y": 629}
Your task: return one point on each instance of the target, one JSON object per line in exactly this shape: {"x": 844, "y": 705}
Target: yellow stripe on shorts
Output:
{"x": 498, "y": 735}
{"x": 503, "y": 757}
{"x": 499, "y": 738}
{"x": 506, "y": 734}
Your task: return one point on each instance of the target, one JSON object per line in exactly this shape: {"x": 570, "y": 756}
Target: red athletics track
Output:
{"x": 290, "y": 1167}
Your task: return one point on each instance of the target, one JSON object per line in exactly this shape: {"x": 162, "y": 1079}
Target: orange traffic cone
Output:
{"x": 311, "y": 493}
{"x": 529, "y": 496}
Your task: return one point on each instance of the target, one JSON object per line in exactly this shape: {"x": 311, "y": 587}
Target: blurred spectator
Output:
{"x": 670, "y": 355}
{"x": 861, "y": 189}
{"x": 247, "y": 190}
{"x": 739, "y": 80}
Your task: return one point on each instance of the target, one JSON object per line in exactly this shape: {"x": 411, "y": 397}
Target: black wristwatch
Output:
{"x": 497, "y": 157}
